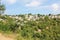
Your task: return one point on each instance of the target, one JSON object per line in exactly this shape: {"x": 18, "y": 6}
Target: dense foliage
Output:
{"x": 40, "y": 29}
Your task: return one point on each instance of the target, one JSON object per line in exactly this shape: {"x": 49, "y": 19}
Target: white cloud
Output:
{"x": 11, "y": 1}
{"x": 55, "y": 7}
{"x": 33, "y": 4}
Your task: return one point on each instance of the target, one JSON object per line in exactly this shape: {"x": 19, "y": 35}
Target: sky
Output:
{"x": 14, "y": 7}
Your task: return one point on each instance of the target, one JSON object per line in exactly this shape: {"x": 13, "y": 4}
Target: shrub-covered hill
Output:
{"x": 40, "y": 29}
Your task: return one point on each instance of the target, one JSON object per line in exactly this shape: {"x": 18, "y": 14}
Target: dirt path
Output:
{"x": 2, "y": 37}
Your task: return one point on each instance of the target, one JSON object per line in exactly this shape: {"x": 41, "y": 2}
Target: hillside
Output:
{"x": 31, "y": 27}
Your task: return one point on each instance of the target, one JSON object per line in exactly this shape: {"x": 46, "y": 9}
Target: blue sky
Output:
{"x": 14, "y": 7}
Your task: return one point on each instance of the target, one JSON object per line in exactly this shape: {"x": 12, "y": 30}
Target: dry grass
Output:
{"x": 6, "y": 37}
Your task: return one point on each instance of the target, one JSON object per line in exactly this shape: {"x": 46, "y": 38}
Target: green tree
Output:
{"x": 2, "y": 8}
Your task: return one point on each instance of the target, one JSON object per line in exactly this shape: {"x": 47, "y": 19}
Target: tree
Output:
{"x": 2, "y": 8}
{"x": 50, "y": 14}
{"x": 38, "y": 15}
